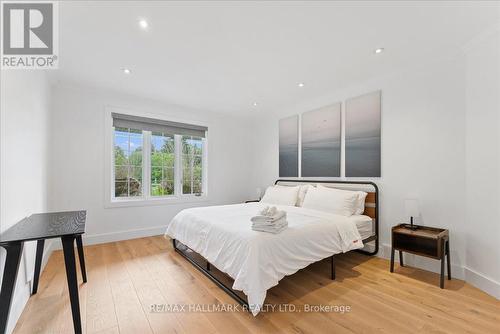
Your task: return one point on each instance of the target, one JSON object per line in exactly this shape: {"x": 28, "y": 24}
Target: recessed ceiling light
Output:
{"x": 143, "y": 24}
{"x": 379, "y": 50}
{"x": 301, "y": 84}
{"x": 255, "y": 104}
{"x": 126, "y": 70}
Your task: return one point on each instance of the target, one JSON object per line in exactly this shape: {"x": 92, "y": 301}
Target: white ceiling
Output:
{"x": 224, "y": 56}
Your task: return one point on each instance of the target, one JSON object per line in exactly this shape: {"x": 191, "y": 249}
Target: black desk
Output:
{"x": 69, "y": 226}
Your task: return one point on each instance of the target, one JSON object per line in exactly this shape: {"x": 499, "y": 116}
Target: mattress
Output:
{"x": 258, "y": 260}
{"x": 364, "y": 224}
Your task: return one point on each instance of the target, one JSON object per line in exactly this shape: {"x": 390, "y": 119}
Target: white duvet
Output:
{"x": 258, "y": 260}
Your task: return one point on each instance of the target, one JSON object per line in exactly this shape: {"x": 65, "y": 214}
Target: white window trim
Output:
{"x": 146, "y": 199}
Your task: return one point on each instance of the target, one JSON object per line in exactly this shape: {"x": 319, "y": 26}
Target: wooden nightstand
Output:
{"x": 425, "y": 241}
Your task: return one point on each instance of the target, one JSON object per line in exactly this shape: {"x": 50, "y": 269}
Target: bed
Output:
{"x": 219, "y": 241}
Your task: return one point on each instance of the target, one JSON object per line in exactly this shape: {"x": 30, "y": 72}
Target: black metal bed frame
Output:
{"x": 206, "y": 270}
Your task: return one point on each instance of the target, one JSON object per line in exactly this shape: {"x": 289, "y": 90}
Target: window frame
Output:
{"x": 147, "y": 199}
{"x": 113, "y": 167}
{"x": 149, "y": 167}
{"x": 191, "y": 167}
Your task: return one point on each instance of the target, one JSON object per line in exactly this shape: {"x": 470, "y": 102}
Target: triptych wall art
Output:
{"x": 289, "y": 146}
{"x": 320, "y": 140}
{"x": 362, "y": 135}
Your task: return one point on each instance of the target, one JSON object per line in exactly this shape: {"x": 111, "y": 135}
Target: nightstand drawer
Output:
{"x": 426, "y": 246}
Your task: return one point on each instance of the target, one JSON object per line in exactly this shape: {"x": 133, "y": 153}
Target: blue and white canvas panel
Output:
{"x": 362, "y": 136}
{"x": 289, "y": 146}
{"x": 321, "y": 131}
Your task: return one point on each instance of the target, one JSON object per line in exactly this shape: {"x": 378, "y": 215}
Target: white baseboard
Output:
{"x": 457, "y": 270}
{"x": 94, "y": 239}
{"x": 480, "y": 281}
{"x": 123, "y": 235}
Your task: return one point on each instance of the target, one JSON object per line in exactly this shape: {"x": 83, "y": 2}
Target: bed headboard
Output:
{"x": 371, "y": 203}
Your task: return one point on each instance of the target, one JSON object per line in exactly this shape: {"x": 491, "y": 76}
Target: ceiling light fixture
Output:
{"x": 143, "y": 24}
{"x": 255, "y": 104}
{"x": 301, "y": 84}
{"x": 126, "y": 70}
{"x": 379, "y": 50}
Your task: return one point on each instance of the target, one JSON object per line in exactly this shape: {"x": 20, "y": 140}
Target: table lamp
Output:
{"x": 411, "y": 209}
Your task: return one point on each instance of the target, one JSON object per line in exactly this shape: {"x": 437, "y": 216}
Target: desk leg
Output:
{"x": 401, "y": 258}
{"x": 38, "y": 264}
{"x": 12, "y": 260}
{"x": 68, "y": 242}
{"x": 443, "y": 257}
{"x": 81, "y": 257}
{"x": 448, "y": 263}
{"x": 392, "y": 259}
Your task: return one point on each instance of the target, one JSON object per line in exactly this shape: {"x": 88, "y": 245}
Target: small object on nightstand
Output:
{"x": 411, "y": 209}
{"x": 424, "y": 241}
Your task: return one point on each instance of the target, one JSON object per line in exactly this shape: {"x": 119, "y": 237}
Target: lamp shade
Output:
{"x": 411, "y": 208}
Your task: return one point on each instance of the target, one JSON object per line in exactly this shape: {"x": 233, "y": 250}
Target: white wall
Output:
{"x": 483, "y": 162}
{"x": 77, "y": 162}
{"x": 423, "y": 114}
{"x": 24, "y": 132}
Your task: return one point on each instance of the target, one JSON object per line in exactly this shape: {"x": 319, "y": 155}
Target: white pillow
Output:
{"x": 281, "y": 195}
{"x": 360, "y": 209}
{"x": 331, "y": 200}
{"x": 360, "y": 203}
{"x": 302, "y": 194}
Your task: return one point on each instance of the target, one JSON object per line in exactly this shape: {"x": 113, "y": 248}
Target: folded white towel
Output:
{"x": 269, "y": 211}
{"x": 274, "y": 227}
{"x": 275, "y": 224}
{"x": 270, "y": 219}
{"x": 277, "y": 214}
{"x": 269, "y": 230}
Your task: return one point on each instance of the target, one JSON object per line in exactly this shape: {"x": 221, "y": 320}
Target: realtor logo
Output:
{"x": 29, "y": 35}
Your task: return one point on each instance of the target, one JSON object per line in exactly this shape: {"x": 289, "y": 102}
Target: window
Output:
{"x": 155, "y": 159}
{"x": 162, "y": 164}
{"x": 128, "y": 162}
{"x": 192, "y": 148}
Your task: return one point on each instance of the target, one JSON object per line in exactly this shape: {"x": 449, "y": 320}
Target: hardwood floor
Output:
{"x": 125, "y": 278}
